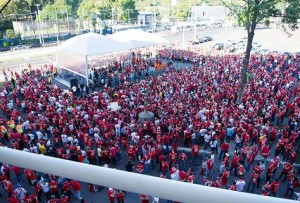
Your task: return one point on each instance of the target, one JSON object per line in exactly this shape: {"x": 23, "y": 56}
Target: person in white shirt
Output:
{"x": 240, "y": 185}
{"x": 20, "y": 192}
{"x": 45, "y": 188}
{"x": 64, "y": 138}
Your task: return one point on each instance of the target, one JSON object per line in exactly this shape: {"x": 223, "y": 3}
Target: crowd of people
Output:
{"x": 195, "y": 108}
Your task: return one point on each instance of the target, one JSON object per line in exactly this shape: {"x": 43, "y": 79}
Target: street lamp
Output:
{"x": 38, "y": 22}
{"x": 154, "y": 17}
{"x": 57, "y": 26}
{"x": 128, "y": 12}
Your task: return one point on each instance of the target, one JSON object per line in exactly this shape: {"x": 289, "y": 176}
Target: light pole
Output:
{"x": 154, "y": 18}
{"x": 38, "y": 23}
{"x": 57, "y": 38}
{"x": 128, "y": 12}
{"x": 195, "y": 21}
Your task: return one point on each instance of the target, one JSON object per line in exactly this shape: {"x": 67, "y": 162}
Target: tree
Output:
{"x": 127, "y": 9}
{"x": 252, "y": 12}
{"x": 59, "y": 8}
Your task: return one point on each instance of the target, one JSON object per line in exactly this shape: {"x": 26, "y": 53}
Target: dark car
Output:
{"x": 218, "y": 46}
{"x": 36, "y": 45}
{"x": 208, "y": 38}
{"x": 199, "y": 40}
{"x": 2, "y": 49}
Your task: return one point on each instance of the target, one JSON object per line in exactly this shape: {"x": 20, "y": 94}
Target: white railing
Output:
{"x": 132, "y": 182}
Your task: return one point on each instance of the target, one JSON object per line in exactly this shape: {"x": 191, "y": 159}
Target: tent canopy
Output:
{"x": 135, "y": 38}
{"x": 91, "y": 44}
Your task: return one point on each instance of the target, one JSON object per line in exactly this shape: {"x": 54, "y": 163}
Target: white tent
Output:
{"x": 91, "y": 44}
{"x": 72, "y": 54}
{"x": 134, "y": 38}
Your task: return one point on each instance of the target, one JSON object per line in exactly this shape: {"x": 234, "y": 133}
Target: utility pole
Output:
{"x": 38, "y": 23}
{"x": 57, "y": 33}
{"x": 154, "y": 18}
{"x": 128, "y": 12}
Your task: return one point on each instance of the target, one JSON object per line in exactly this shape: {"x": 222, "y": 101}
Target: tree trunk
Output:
{"x": 245, "y": 66}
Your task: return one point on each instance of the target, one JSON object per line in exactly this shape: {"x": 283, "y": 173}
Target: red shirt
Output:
{"x": 53, "y": 186}
{"x": 210, "y": 164}
{"x": 224, "y": 146}
{"x": 195, "y": 149}
{"x": 75, "y": 185}
{"x": 182, "y": 156}
{"x": 275, "y": 186}
{"x": 111, "y": 195}
{"x": 120, "y": 196}
{"x": 265, "y": 151}
{"x": 172, "y": 157}
{"x": 64, "y": 199}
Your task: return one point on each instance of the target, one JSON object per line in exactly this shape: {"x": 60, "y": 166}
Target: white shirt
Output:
{"x": 45, "y": 187}
{"x": 20, "y": 192}
{"x": 240, "y": 185}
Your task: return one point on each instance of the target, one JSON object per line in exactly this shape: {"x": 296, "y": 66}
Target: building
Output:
{"x": 210, "y": 13}
{"x": 145, "y": 19}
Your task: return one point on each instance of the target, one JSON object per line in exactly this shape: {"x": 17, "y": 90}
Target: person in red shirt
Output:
{"x": 53, "y": 199}
{"x": 130, "y": 153}
{"x": 30, "y": 175}
{"x": 195, "y": 150}
{"x": 233, "y": 186}
{"x": 224, "y": 150}
{"x": 265, "y": 152}
{"x": 12, "y": 200}
{"x": 164, "y": 165}
{"x": 259, "y": 171}
{"x": 274, "y": 187}
{"x": 30, "y": 198}
{"x": 66, "y": 189}
{"x": 120, "y": 196}
{"x": 18, "y": 172}
{"x": 293, "y": 157}
{"x": 182, "y": 159}
{"x": 64, "y": 199}
{"x": 76, "y": 187}
{"x": 234, "y": 163}
{"x": 224, "y": 177}
{"x": 8, "y": 187}
{"x": 38, "y": 191}
{"x": 253, "y": 181}
{"x": 111, "y": 195}
{"x": 287, "y": 167}
{"x": 140, "y": 167}
{"x": 144, "y": 198}
{"x": 210, "y": 165}
{"x": 53, "y": 186}
{"x": 172, "y": 158}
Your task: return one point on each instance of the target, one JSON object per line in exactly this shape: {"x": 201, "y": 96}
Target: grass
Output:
{"x": 1, "y": 83}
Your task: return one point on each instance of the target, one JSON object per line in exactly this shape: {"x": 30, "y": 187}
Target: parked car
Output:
{"x": 19, "y": 47}
{"x": 199, "y": 40}
{"x": 208, "y": 38}
{"x": 218, "y": 46}
{"x": 35, "y": 45}
{"x": 2, "y": 49}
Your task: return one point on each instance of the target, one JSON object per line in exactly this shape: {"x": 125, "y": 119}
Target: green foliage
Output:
{"x": 5, "y": 45}
{"x": 126, "y": 9}
{"x": 87, "y": 8}
{"x": 10, "y": 33}
{"x": 59, "y": 9}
